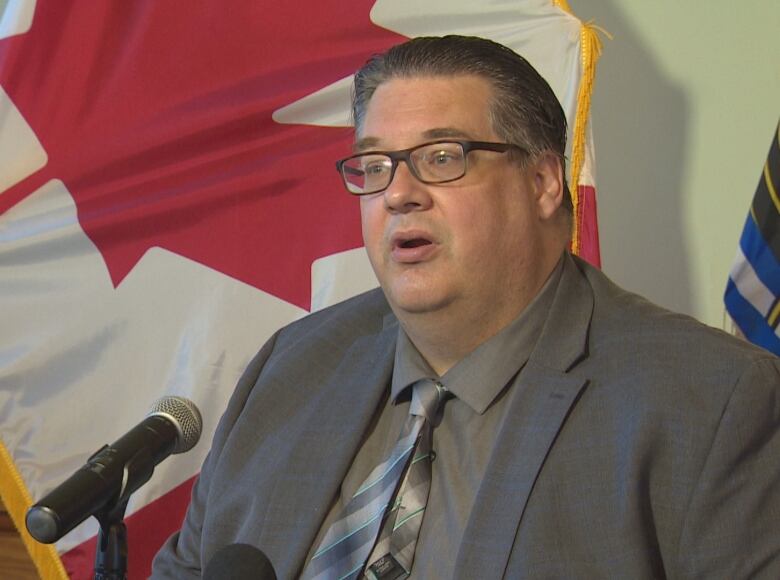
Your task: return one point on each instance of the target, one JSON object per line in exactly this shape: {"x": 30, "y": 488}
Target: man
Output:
{"x": 574, "y": 430}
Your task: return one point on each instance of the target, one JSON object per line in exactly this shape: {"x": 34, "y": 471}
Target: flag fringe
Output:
{"x": 17, "y": 501}
{"x": 589, "y": 53}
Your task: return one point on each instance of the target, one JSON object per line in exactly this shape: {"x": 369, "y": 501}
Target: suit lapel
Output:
{"x": 342, "y": 409}
{"x": 539, "y": 404}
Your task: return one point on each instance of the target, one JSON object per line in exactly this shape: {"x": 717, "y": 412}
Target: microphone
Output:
{"x": 114, "y": 472}
{"x": 239, "y": 562}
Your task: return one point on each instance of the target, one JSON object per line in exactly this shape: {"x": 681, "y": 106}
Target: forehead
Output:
{"x": 406, "y": 111}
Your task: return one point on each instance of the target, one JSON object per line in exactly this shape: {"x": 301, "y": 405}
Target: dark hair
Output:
{"x": 524, "y": 110}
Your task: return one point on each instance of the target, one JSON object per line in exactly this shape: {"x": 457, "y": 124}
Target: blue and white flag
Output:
{"x": 753, "y": 291}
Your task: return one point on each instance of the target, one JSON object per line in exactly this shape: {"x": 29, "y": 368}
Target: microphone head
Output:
{"x": 184, "y": 415}
{"x": 239, "y": 562}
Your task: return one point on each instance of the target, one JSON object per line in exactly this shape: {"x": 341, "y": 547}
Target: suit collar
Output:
{"x": 564, "y": 339}
{"x": 540, "y": 402}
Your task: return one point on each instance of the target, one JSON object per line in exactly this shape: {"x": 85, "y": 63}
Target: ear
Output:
{"x": 547, "y": 172}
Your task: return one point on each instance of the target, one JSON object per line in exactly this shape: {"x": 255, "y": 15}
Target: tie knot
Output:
{"x": 427, "y": 396}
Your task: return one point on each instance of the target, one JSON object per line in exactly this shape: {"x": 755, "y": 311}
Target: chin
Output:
{"x": 417, "y": 301}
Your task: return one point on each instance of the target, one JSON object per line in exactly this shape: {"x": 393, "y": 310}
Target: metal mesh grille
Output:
{"x": 184, "y": 415}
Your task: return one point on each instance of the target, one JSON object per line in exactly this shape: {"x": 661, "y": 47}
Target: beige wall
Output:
{"x": 686, "y": 101}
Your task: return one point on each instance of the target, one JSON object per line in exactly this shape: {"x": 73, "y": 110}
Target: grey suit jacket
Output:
{"x": 643, "y": 445}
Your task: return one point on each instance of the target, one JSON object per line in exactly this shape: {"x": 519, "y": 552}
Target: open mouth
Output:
{"x": 413, "y": 247}
{"x": 414, "y": 243}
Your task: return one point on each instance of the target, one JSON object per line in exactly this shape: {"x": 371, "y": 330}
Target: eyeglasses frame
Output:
{"x": 406, "y": 154}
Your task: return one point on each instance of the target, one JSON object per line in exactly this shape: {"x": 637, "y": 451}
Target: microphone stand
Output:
{"x": 111, "y": 549}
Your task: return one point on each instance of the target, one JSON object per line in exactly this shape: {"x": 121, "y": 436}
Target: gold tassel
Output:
{"x": 589, "y": 54}
{"x": 17, "y": 501}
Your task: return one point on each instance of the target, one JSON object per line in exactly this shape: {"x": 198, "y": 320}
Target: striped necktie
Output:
{"x": 393, "y": 553}
{"x": 344, "y": 549}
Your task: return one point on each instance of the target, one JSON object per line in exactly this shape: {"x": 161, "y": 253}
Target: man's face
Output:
{"x": 473, "y": 243}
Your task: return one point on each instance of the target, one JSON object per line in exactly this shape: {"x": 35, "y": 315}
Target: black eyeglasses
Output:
{"x": 436, "y": 162}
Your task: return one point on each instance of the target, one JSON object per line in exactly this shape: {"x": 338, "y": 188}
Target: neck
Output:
{"x": 447, "y": 335}
{"x": 445, "y": 340}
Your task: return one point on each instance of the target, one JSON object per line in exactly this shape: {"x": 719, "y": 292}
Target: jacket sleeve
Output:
{"x": 732, "y": 525}
{"x": 181, "y": 557}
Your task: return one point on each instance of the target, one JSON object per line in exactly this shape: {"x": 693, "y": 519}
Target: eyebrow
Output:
{"x": 373, "y": 143}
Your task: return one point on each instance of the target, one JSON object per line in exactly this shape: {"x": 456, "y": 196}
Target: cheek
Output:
{"x": 372, "y": 224}
{"x": 480, "y": 222}
{"x": 469, "y": 238}
{"x": 490, "y": 232}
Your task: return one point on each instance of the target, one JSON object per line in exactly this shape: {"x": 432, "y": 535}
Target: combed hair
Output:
{"x": 524, "y": 110}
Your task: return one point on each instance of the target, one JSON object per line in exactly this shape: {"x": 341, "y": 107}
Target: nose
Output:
{"x": 406, "y": 193}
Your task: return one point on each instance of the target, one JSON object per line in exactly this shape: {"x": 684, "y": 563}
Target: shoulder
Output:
{"x": 341, "y": 324}
{"x": 628, "y": 322}
{"x": 654, "y": 357}
{"x": 304, "y": 353}
{"x": 364, "y": 309}
{"x": 316, "y": 345}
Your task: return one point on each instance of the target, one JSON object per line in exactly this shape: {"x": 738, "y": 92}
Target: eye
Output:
{"x": 374, "y": 166}
{"x": 442, "y": 157}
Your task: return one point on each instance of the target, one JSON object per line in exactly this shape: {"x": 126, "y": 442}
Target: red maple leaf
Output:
{"x": 157, "y": 117}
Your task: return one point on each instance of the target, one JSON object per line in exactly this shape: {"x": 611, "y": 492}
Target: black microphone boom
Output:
{"x": 115, "y": 471}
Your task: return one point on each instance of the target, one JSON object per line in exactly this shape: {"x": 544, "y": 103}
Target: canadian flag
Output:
{"x": 168, "y": 200}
